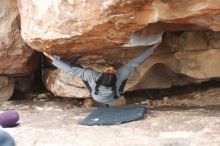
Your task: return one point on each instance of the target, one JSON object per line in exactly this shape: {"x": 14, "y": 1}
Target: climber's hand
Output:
{"x": 155, "y": 46}
{"x": 48, "y": 55}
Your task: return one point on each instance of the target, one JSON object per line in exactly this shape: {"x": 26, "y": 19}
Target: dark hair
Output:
{"x": 106, "y": 79}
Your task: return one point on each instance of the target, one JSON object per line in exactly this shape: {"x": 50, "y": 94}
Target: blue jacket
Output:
{"x": 105, "y": 94}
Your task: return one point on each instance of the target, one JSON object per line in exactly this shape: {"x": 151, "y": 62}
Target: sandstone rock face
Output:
{"x": 182, "y": 58}
{"x": 99, "y": 33}
{"x": 61, "y": 26}
{"x": 16, "y": 58}
{"x": 6, "y": 88}
{"x": 64, "y": 85}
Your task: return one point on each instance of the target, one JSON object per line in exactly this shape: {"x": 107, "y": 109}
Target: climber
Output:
{"x": 105, "y": 87}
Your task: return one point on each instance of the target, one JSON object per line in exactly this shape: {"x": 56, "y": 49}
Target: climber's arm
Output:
{"x": 71, "y": 68}
{"x": 126, "y": 70}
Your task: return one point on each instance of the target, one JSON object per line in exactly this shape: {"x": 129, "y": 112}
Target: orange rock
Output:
{"x": 75, "y": 27}
{"x": 16, "y": 58}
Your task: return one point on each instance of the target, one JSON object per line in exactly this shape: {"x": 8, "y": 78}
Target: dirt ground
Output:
{"x": 190, "y": 119}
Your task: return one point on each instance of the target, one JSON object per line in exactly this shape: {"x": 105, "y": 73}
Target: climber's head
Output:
{"x": 108, "y": 77}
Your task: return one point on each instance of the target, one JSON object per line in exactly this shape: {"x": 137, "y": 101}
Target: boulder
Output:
{"x": 59, "y": 26}
{"x": 16, "y": 58}
{"x": 64, "y": 85}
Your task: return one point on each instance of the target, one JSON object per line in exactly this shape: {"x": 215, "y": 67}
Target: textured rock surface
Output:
{"x": 181, "y": 68}
{"x": 16, "y": 58}
{"x": 88, "y": 31}
{"x": 6, "y": 88}
{"x": 64, "y": 85}
{"x": 182, "y": 58}
{"x": 79, "y": 26}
